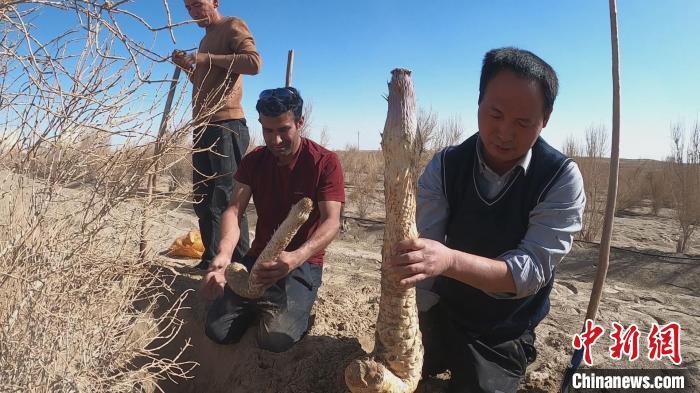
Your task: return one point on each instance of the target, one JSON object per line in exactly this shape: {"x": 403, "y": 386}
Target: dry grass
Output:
{"x": 363, "y": 171}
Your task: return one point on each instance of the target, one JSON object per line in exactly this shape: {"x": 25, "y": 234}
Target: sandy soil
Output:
{"x": 641, "y": 289}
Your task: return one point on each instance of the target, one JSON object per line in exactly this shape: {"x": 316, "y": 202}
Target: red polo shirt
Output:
{"x": 314, "y": 172}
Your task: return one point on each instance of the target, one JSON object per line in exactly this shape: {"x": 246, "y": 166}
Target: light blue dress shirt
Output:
{"x": 552, "y": 226}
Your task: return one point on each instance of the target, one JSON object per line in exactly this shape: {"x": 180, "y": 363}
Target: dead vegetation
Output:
{"x": 684, "y": 173}
{"x": 671, "y": 184}
{"x": 363, "y": 168}
{"x": 590, "y": 157}
{"x": 77, "y": 305}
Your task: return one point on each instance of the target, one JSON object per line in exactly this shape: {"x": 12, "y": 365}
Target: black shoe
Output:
{"x": 203, "y": 265}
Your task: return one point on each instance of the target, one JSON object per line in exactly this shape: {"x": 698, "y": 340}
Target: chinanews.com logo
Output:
{"x": 631, "y": 380}
{"x": 661, "y": 344}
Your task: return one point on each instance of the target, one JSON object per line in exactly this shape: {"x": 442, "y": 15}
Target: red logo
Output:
{"x": 662, "y": 341}
{"x": 665, "y": 341}
{"x": 625, "y": 342}
{"x": 587, "y": 338}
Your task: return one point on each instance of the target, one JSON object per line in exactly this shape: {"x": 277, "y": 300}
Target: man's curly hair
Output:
{"x": 277, "y": 104}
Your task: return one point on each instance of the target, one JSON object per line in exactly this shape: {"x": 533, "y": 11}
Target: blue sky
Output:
{"x": 344, "y": 52}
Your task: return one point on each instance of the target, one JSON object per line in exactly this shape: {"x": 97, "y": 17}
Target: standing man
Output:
{"x": 221, "y": 137}
{"x": 496, "y": 215}
{"x": 277, "y": 175}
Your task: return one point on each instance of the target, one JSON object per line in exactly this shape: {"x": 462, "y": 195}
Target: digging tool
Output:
{"x": 604, "y": 252}
{"x": 143, "y": 243}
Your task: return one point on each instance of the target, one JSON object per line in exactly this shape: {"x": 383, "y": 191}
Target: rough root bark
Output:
{"x": 396, "y": 362}
{"x": 237, "y": 276}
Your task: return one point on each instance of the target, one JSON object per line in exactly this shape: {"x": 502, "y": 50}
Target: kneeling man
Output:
{"x": 277, "y": 175}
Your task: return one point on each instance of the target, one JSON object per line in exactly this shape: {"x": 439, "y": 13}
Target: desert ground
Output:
{"x": 647, "y": 283}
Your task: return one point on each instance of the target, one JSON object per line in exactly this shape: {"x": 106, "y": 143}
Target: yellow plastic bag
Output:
{"x": 187, "y": 246}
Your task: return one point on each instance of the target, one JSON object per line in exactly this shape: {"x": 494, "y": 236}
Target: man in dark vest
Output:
{"x": 496, "y": 214}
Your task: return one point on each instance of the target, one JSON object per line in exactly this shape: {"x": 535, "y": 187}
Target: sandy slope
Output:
{"x": 640, "y": 289}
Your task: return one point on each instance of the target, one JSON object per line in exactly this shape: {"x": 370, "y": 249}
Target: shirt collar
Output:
{"x": 523, "y": 163}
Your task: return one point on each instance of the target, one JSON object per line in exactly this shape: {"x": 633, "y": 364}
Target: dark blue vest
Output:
{"x": 489, "y": 228}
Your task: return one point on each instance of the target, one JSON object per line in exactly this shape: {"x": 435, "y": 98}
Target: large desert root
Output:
{"x": 396, "y": 362}
{"x": 237, "y": 276}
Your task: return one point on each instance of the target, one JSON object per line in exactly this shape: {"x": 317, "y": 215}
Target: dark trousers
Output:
{"x": 282, "y": 312}
{"x": 476, "y": 365}
{"x": 218, "y": 149}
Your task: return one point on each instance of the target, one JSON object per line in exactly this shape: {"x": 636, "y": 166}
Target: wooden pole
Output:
{"x": 604, "y": 252}
{"x": 290, "y": 67}
{"x": 166, "y": 116}
{"x": 153, "y": 176}
{"x": 604, "y": 255}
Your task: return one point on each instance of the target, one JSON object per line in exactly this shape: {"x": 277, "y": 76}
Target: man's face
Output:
{"x": 202, "y": 9}
{"x": 282, "y": 135}
{"x": 511, "y": 117}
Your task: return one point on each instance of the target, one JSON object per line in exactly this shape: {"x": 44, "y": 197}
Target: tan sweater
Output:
{"x": 218, "y": 85}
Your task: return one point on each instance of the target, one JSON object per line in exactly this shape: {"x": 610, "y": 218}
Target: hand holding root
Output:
{"x": 213, "y": 285}
{"x": 417, "y": 260}
{"x": 244, "y": 283}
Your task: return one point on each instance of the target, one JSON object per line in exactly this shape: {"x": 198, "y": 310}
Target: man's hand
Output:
{"x": 219, "y": 263}
{"x": 185, "y": 60}
{"x": 213, "y": 285}
{"x": 418, "y": 259}
{"x": 267, "y": 273}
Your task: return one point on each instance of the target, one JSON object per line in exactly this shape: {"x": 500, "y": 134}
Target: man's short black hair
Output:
{"x": 275, "y": 102}
{"x": 524, "y": 64}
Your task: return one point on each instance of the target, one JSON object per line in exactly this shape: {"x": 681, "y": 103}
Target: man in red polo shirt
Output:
{"x": 277, "y": 175}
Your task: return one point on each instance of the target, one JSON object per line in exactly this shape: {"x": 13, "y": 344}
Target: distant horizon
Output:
{"x": 607, "y": 157}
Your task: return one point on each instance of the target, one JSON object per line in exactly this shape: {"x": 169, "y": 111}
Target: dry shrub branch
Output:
{"x": 590, "y": 157}
{"x": 362, "y": 168}
{"x": 684, "y": 170}
{"x": 432, "y": 136}
{"x": 78, "y": 310}
{"x": 362, "y": 176}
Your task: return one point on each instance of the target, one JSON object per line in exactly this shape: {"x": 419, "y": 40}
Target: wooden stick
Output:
{"x": 153, "y": 176}
{"x": 604, "y": 254}
{"x": 604, "y": 251}
{"x": 290, "y": 67}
